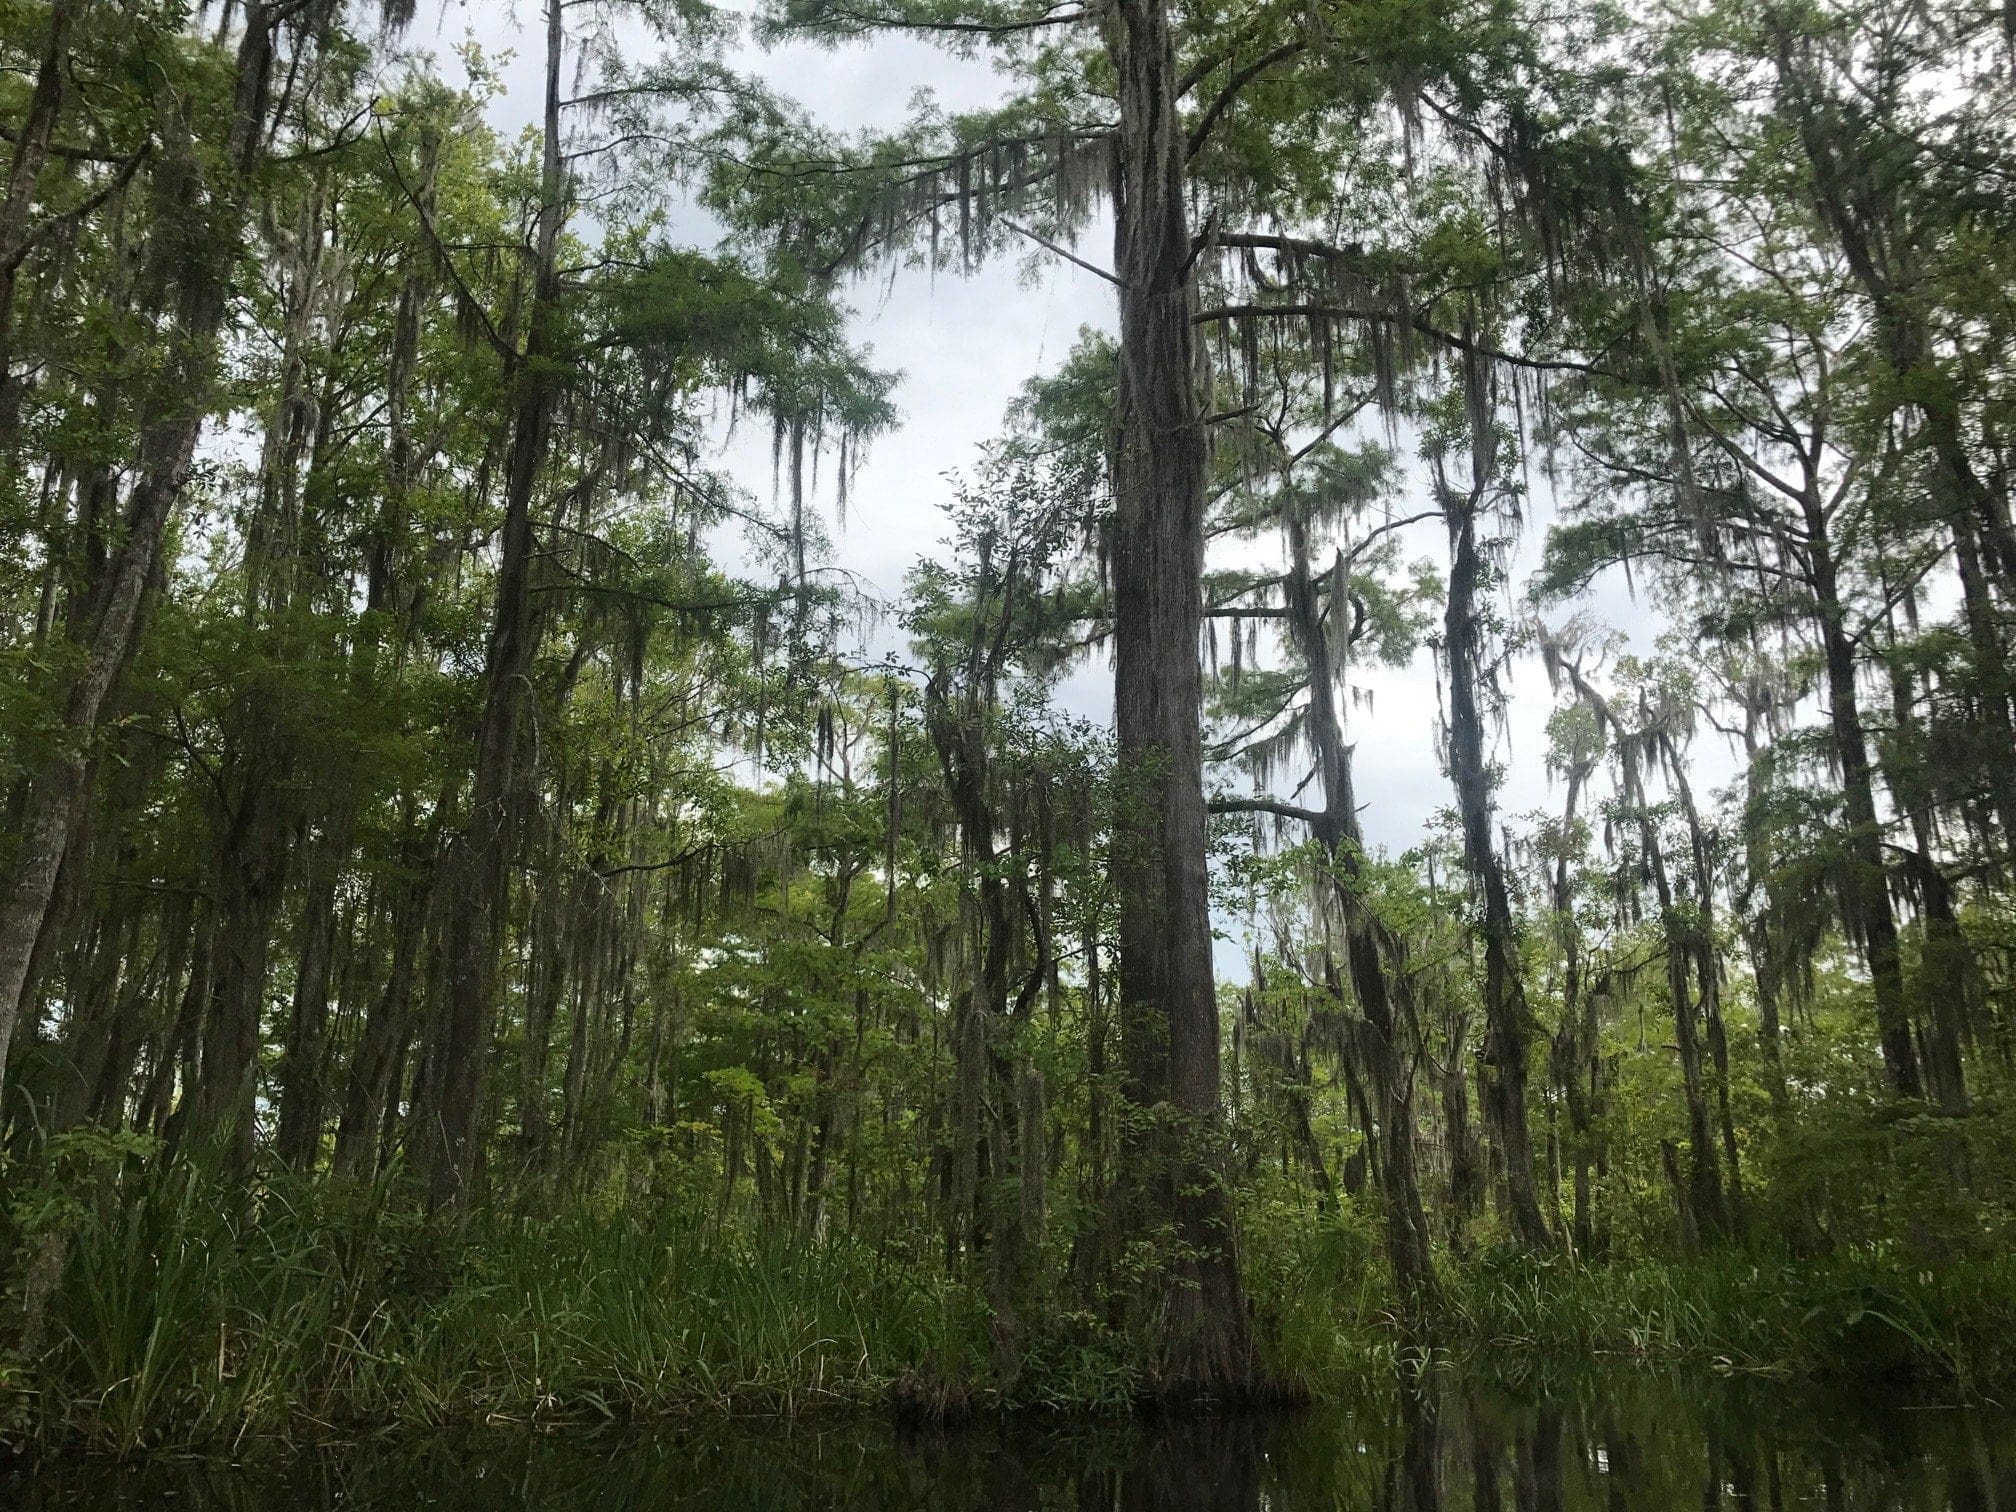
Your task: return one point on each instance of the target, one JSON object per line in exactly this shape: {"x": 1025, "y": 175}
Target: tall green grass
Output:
{"x": 1844, "y": 1314}
{"x": 1853, "y": 1312}
{"x": 194, "y": 1313}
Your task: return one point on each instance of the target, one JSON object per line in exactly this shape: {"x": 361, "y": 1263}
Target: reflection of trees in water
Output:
{"x": 1610, "y": 1445}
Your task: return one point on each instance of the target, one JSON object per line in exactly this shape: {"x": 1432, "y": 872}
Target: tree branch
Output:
{"x": 1050, "y": 246}
{"x": 1226, "y": 96}
{"x": 1420, "y": 323}
{"x": 1262, "y": 806}
{"x": 867, "y": 21}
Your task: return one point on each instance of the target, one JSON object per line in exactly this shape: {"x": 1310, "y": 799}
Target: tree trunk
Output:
{"x": 1369, "y": 949}
{"x": 1708, "y": 972}
{"x": 1945, "y": 963}
{"x": 251, "y": 871}
{"x": 1703, "y": 1205}
{"x": 1506, "y": 1015}
{"x": 474, "y": 929}
{"x": 1168, "y": 1009}
{"x": 303, "y": 1070}
{"x": 1577, "y": 1043}
{"x": 1761, "y": 930}
{"x": 388, "y": 1022}
{"x": 1867, "y": 886}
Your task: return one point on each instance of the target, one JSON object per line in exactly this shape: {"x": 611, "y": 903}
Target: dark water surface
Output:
{"x": 1616, "y": 1445}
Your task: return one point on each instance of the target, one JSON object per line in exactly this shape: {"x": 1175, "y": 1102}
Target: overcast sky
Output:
{"x": 965, "y": 345}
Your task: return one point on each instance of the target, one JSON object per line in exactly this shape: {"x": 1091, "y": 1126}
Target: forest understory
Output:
{"x": 497, "y": 926}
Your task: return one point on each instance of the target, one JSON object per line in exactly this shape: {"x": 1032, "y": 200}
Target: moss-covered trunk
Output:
{"x": 1173, "y": 1186}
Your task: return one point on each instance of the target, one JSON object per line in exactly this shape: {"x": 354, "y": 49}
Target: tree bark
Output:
{"x": 1374, "y": 958}
{"x": 1866, "y": 884}
{"x": 475, "y": 923}
{"x": 1168, "y": 993}
{"x": 1506, "y": 1014}
{"x": 1577, "y": 1044}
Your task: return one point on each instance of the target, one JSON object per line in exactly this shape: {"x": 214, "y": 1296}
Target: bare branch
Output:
{"x": 1262, "y": 806}
{"x": 1050, "y": 246}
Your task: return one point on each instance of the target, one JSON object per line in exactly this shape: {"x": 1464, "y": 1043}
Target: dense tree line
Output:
{"x": 398, "y": 793}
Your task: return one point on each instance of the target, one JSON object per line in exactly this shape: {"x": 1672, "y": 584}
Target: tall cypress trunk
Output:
{"x": 175, "y": 1056}
{"x": 1699, "y": 1199}
{"x": 1703, "y": 1205}
{"x": 545, "y": 982}
{"x": 1765, "y": 964}
{"x": 1866, "y": 884}
{"x": 1872, "y": 228}
{"x": 251, "y": 871}
{"x": 474, "y": 924}
{"x": 1946, "y": 981}
{"x": 1506, "y": 1014}
{"x": 1577, "y": 1057}
{"x": 300, "y": 432}
{"x": 1466, "y": 1157}
{"x": 992, "y": 1157}
{"x": 259, "y": 817}
{"x": 1168, "y": 996}
{"x": 381, "y": 1042}
{"x": 1381, "y": 1000}
{"x": 1708, "y": 972}
{"x": 303, "y": 1072}
{"x": 100, "y": 991}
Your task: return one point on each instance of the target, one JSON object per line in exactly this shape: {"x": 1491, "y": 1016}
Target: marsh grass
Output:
{"x": 1843, "y": 1314}
{"x": 1848, "y": 1314}
{"x": 195, "y": 1313}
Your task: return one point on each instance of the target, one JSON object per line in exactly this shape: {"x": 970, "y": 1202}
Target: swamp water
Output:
{"x": 1605, "y": 1445}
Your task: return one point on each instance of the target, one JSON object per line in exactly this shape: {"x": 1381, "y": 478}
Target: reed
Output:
{"x": 196, "y": 1313}
{"x": 192, "y": 1312}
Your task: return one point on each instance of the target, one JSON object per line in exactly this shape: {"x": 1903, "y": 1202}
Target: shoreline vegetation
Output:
{"x": 196, "y": 1318}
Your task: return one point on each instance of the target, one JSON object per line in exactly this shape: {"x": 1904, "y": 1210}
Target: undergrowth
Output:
{"x": 195, "y": 1314}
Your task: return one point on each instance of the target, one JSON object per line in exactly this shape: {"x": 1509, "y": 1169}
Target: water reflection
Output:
{"x": 1606, "y": 1446}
